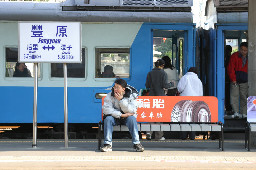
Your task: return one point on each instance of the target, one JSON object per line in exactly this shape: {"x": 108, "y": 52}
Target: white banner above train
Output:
{"x": 50, "y": 42}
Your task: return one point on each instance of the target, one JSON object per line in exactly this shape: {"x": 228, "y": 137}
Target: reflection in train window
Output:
{"x": 75, "y": 70}
{"x": 112, "y": 62}
{"x": 15, "y": 69}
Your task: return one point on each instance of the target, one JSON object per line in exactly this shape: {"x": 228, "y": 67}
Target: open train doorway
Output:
{"x": 229, "y": 38}
{"x": 233, "y": 39}
{"x": 170, "y": 43}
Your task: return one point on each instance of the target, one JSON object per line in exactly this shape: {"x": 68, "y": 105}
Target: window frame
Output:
{"x": 72, "y": 78}
{"x": 19, "y": 78}
{"x": 108, "y": 50}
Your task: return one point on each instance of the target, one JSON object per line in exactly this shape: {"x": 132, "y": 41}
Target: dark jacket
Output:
{"x": 18, "y": 73}
{"x": 156, "y": 82}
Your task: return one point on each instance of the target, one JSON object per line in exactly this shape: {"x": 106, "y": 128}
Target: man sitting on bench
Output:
{"x": 120, "y": 107}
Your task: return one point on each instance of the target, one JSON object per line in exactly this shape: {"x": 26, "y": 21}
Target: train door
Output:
{"x": 229, "y": 38}
{"x": 171, "y": 43}
{"x": 154, "y": 41}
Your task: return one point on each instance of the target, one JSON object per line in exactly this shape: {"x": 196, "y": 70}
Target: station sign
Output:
{"x": 52, "y": 42}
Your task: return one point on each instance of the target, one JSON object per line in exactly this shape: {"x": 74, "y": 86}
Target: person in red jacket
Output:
{"x": 238, "y": 74}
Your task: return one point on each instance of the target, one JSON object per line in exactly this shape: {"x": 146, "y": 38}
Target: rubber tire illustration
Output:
{"x": 176, "y": 111}
{"x": 201, "y": 112}
{"x": 186, "y": 115}
{"x": 187, "y": 111}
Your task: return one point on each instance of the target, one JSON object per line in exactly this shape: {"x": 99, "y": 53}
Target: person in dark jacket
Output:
{"x": 238, "y": 75}
{"x": 21, "y": 70}
{"x": 228, "y": 53}
{"x": 157, "y": 84}
{"x": 108, "y": 72}
{"x": 157, "y": 80}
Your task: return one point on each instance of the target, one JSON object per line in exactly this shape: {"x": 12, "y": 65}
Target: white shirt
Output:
{"x": 172, "y": 76}
{"x": 190, "y": 85}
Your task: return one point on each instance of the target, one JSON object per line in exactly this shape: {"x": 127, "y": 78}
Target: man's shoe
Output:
{"x": 138, "y": 147}
{"x": 236, "y": 115}
{"x": 240, "y": 116}
{"x": 162, "y": 138}
{"x": 106, "y": 148}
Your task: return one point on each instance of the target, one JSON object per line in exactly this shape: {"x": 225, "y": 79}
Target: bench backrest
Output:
{"x": 177, "y": 109}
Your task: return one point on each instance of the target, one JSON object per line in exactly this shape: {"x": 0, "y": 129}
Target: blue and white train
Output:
{"x": 119, "y": 33}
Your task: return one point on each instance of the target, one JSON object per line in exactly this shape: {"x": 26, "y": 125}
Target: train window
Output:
{"x": 75, "y": 70}
{"x": 112, "y": 62}
{"x": 233, "y": 43}
{"x": 15, "y": 69}
{"x": 162, "y": 46}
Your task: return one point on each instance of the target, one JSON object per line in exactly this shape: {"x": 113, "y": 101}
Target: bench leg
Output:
{"x": 99, "y": 136}
{"x": 221, "y": 139}
{"x": 246, "y": 138}
{"x": 249, "y": 139}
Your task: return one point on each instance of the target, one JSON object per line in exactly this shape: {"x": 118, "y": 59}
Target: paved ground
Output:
{"x": 83, "y": 154}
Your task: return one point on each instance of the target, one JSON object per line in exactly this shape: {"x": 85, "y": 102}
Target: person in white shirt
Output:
{"x": 190, "y": 85}
{"x": 172, "y": 76}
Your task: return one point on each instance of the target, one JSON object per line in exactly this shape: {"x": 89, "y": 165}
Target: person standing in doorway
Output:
{"x": 228, "y": 52}
{"x": 238, "y": 75}
{"x": 157, "y": 83}
{"x": 172, "y": 76}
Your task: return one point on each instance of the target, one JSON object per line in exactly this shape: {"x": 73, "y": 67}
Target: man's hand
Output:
{"x": 127, "y": 114}
{"x": 234, "y": 83}
{"x": 172, "y": 83}
{"x": 118, "y": 96}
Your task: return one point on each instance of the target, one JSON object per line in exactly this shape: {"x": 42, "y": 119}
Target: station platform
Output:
{"x": 83, "y": 154}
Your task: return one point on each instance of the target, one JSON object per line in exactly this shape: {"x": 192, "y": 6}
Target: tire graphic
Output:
{"x": 176, "y": 111}
{"x": 201, "y": 112}
{"x": 191, "y": 111}
{"x": 186, "y": 114}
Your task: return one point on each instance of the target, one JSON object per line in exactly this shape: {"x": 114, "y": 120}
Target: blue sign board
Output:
{"x": 53, "y": 42}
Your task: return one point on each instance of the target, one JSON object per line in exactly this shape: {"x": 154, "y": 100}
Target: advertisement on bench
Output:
{"x": 251, "y": 109}
{"x": 177, "y": 109}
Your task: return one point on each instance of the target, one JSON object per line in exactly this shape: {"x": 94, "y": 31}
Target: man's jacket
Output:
{"x": 128, "y": 104}
{"x": 236, "y": 71}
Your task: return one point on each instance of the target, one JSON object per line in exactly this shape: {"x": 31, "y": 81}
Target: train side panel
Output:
{"x": 83, "y": 107}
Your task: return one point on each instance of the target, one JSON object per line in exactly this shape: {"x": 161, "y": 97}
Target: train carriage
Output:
{"x": 125, "y": 36}
{"x": 115, "y": 38}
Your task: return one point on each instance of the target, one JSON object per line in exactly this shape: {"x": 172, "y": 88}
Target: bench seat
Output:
{"x": 171, "y": 127}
